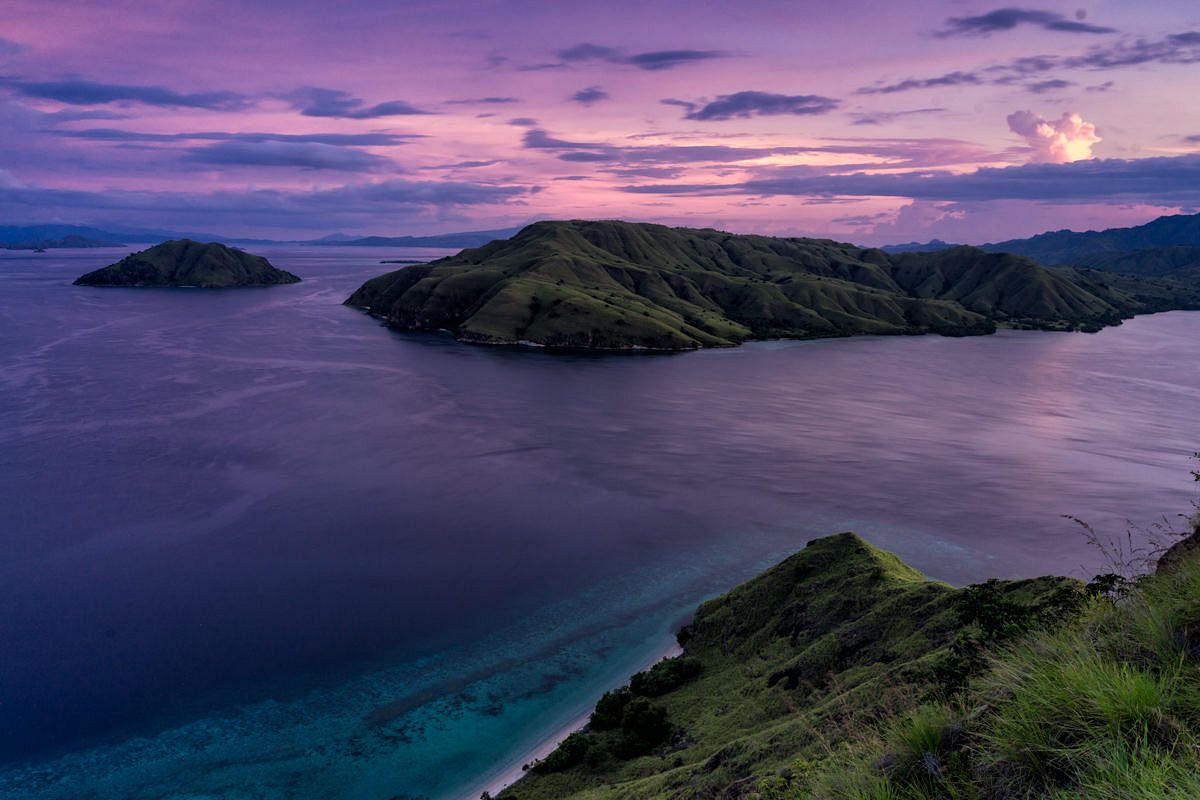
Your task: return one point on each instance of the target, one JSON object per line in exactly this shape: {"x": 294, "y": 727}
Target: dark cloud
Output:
{"x": 884, "y": 117}
{"x": 313, "y": 101}
{"x": 339, "y": 139}
{"x": 592, "y": 94}
{"x": 949, "y": 79}
{"x": 1178, "y": 48}
{"x": 523, "y": 122}
{"x": 475, "y": 101}
{"x": 900, "y": 152}
{"x": 10, "y": 49}
{"x": 464, "y": 165}
{"x": 297, "y": 155}
{"x": 758, "y": 104}
{"x": 653, "y": 60}
{"x": 77, "y": 92}
{"x": 1162, "y": 180}
{"x": 1006, "y": 19}
{"x": 1053, "y": 85}
{"x": 1194, "y": 139}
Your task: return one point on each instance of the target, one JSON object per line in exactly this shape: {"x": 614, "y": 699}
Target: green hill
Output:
{"x": 843, "y": 674}
{"x": 616, "y": 285}
{"x": 793, "y": 662}
{"x": 182, "y": 262}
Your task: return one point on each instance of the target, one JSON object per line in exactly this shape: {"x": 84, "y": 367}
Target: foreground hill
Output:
{"x": 842, "y": 674}
{"x": 183, "y": 262}
{"x": 781, "y": 668}
{"x": 613, "y": 284}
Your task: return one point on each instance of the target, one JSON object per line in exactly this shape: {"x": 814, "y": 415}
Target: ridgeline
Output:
{"x": 622, "y": 285}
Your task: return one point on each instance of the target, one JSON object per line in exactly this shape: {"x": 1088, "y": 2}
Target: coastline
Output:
{"x": 512, "y": 770}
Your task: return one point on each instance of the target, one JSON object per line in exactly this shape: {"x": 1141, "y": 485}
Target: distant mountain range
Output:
{"x": 1167, "y": 246}
{"x": 31, "y": 237}
{"x": 622, "y": 285}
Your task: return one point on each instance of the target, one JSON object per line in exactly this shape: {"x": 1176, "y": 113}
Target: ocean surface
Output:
{"x": 255, "y": 545}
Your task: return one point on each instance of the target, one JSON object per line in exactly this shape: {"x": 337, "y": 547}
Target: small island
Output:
{"x": 185, "y": 263}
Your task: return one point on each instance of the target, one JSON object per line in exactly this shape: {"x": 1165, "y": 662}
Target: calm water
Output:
{"x": 254, "y": 545}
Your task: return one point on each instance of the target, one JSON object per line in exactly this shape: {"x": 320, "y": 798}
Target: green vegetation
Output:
{"x": 784, "y": 673}
{"x": 842, "y": 674}
{"x": 182, "y": 262}
{"x": 618, "y": 285}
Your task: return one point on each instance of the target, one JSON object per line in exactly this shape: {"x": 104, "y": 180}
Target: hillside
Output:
{"x": 842, "y": 674}
{"x": 781, "y": 669}
{"x": 613, "y": 285}
{"x": 183, "y": 262}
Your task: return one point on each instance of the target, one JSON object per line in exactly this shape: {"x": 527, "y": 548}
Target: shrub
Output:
{"x": 607, "y": 714}
{"x": 664, "y": 676}
{"x": 644, "y": 726}
{"x": 568, "y": 753}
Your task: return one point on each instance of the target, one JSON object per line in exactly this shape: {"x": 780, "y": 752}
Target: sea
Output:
{"x": 256, "y": 545}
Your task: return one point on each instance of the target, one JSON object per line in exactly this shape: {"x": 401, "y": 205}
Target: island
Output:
{"x": 70, "y": 242}
{"x": 844, "y": 673}
{"x": 185, "y": 263}
{"x": 614, "y": 285}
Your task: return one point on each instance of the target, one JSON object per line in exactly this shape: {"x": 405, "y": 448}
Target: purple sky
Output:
{"x": 867, "y": 121}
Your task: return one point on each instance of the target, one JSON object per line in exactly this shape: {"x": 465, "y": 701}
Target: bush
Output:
{"x": 664, "y": 676}
{"x": 644, "y": 726}
{"x": 607, "y": 714}
{"x": 568, "y": 753}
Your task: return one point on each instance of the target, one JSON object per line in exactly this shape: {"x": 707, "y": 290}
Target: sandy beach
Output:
{"x": 512, "y": 771}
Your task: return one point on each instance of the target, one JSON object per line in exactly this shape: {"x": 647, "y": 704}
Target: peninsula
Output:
{"x": 182, "y": 262}
{"x": 621, "y": 285}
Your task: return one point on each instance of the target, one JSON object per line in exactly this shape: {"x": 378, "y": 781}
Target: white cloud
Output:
{"x": 1055, "y": 142}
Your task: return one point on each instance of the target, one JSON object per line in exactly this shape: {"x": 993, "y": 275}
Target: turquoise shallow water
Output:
{"x": 257, "y": 546}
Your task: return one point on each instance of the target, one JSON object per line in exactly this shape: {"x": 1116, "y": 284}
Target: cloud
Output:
{"x": 483, "y": 101}
{"x": 1053, "y": 85}
{"x": 884, "y": 117}
{"x": 956, "y": 78}
{"x": 760, "y": 104}
{"x": 77, "y": 92}
{"x": 895, "y": 152}
{"x": 523, "y": 122}
{"x": 1177, "y": 48}
{"x": 1007, "y": 19}
{"x": 654, "y": 60}
{"x": 313, "y": 101}
{"x": 10, "y": 49}
{"x": 298, "y": 155}
{"x": 339, "y": 139}
{"x": 1162, "y": 181}
{"x": 592, "y": 94}
{"x": 1066, "y": 139}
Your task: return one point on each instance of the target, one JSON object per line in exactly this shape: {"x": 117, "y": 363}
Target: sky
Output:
{"x": 872, "y": 122}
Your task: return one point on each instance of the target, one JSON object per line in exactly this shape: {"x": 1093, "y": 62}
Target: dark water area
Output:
{"x": 254, "y": 545}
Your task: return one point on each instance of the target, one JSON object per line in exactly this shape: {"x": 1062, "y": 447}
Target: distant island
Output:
{"x": 64, "y": 243}
{"x": 621, "y": 285}
{"x": 182, "y": 262}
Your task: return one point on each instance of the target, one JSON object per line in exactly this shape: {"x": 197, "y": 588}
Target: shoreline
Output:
{"x": 512, "y": 770}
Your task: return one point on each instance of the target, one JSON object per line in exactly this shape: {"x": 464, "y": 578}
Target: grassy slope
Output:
{"x": 616, "y": 284}
{"x": 182, "y": 262}
{"x": 792, "y": 663}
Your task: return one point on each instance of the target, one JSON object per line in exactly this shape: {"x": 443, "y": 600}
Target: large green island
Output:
{"x": 843, "y": 674}
{"x": 622, "y": 285}
{"x": 184, "y": 263}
